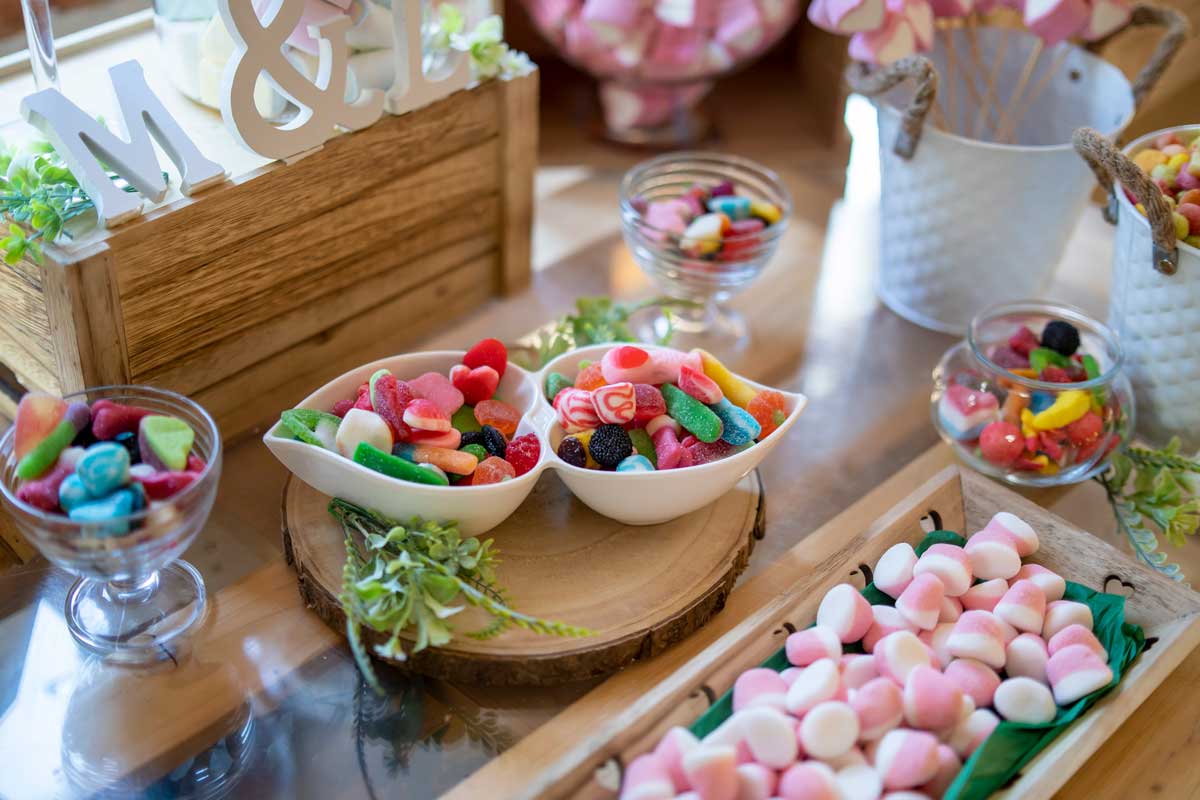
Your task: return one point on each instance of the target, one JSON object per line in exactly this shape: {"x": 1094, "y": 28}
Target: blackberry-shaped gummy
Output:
{"x": 1061, "y": 337}
{"x": 493, "y": 441}
{"x": 471, "y": 437}
{"x": 571, "y": 451}
{"x": 610, "y": 445}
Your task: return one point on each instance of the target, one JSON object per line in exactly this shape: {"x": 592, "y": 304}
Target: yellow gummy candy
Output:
{"x": 1069, "y": 406}
{"x": 767, "y": 212}
{"x": 1149, "y": 159}
{"x": 734, "y": 388}
{"x": 1048, "y": 467}
{"x": 1182, "y": 226}
{"x": 585, "y": 438}
{"x": 1178, "y": 160}
{"x": 1027, "y": 428}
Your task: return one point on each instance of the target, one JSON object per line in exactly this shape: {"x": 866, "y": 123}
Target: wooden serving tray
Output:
{"x": 955, "y": 500}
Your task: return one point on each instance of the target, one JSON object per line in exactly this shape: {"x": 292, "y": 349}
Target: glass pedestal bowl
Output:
{"x": 133, "y": 599}
{"x": 707, "y": 281}
{"x": 1006, "y": 421}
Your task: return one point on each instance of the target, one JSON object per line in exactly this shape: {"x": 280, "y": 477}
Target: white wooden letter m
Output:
{"x": 83, "y": 143}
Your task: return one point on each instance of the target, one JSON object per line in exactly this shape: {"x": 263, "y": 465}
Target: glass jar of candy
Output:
{"x": 1035, "y": 396}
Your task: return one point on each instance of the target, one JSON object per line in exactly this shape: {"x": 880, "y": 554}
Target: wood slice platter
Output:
{"x": 640, "y": 589}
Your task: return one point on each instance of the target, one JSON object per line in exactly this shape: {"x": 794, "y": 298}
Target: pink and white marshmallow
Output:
{"x": 671, "y": 749}
{"x": 951, "y": 609}
{"x": 1051, "y": 583}
{"x": 859, "y": 782}
{"x": 1076, "y": 634}
{"x": 1027, "y": 657}
{"x": 931, "y": 700}
{"x": 770, "y": 736}
{"x": 847, "y": 16}
{"x": 1105, "y": 17}
{"x": 971, "y": 732}
{"x": 759, "y": 687}
{"x": 894, "y": 570}
{"x": 948, "y": 766}
{"x": 1076, "y": 671}
{"x": 711, "y": 771}
{"x": 646, "y": 778}
{"x": 984, "y": 596}
{"x": 1062, "y": 613}
{"x": 846, "y": 612}
{"x": 857, "y": 669}
{"x": 1023, "y": 536}
{"x": 974, "y": 679}
{"x": 898, "y": 654}
{"x": 950, "y": 564}
{"x": 611, "y": 20}
{"x": 829, "y": 729}
{"x": 978, "y": 635}
{"x": 1024, "y": 700}
{"x": 756, "y": 782}
{"x": 936, "y": 640}
{"x": 819, "y": 683}
{"x": 887, "y": 619}
{"x": 1054, "y": 21}
{"x": 906, "y": 758}
{"x": 1023, "y": 606}
{"x": 808, "y": 780}
{"x": 879, "y": 705}
{"x": 993, "y": 555}
{"x": 885, "y": 45}
{"x": 812, "y": 644}
{"x": 920, "y": 603}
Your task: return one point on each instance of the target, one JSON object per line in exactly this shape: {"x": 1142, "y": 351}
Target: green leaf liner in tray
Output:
{"x": 1012, "y": 745}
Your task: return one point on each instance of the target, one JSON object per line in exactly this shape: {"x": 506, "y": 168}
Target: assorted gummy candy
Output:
{"x": 100, "y": 463}
{"x": 1015, "y": 427}
{"x": 434, "y": 429}
{"x": 709, "y": 222}
{"x": 639, "y": 410}
{"x": 1173, "y": 163}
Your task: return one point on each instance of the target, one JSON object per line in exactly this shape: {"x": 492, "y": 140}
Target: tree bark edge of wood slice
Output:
{"x": 673, "y": 582}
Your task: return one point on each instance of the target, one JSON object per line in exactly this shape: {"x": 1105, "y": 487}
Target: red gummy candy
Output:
{"x": 1024, "y": 341}
{"x": 769, "y": 409}
{"x": 363, "y": 400}
{"x": 591, "y": 377}
{"x": 1055, "y": 374}
{"x": 708, "y": 452}
{"x": 650, "y": 404}
{"x": 1001, "y": 443}
{"x": 523, "y": 453}
{"x": 110, "y": 419}
{"x": 499, "y": 415}
{"x": 390, "y": 399}
{"x": 1085, "y": 429}
{"x": 476, "y": 384}
{"x": 492, "y": 470}
{"x": 689, "y": 440}
{"x": 1049, "y": 445}
{"x": 341, "y": 407}
{"x": 195, "y": 463}
{"x": 1009, "y": 358}
{"x": 43, "y": 493}
{"x": 699, "y": 385}
{"x": 162, "y": 485}
{"x": 488, "y": 353}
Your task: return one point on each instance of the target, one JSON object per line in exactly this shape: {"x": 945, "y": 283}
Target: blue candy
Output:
{"x": 635, "y": 463}
{"x": 118, "y": 504}
{"x": 740, "y": 426}
{"x": 71, "y": 493}
{"x": 103, "y": 469}
{"x": 731, "y": 206}
{"x": 1040, "y": 401}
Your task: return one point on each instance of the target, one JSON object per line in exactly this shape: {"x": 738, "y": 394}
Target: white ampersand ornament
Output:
{"x": 413, "y": 87}
{"x": 258, "y": 49}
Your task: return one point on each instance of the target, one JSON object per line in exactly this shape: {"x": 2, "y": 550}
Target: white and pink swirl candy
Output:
{"x": 575, "y": 410}
{"x": 615, "y": 403}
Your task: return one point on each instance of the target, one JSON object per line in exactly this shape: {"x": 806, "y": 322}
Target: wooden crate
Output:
{"x": 251, "y": 293}
{"x": 954, "y": 499}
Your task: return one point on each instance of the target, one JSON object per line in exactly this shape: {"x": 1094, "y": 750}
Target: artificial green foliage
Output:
{"x": 490, "y": 57}
{"x": 417, "y": 576}
{"x": 597, "y": 320}
{"x": 1154, "y": 492}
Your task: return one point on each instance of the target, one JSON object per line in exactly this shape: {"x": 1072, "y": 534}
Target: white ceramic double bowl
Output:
{"x": 633, "y": 498}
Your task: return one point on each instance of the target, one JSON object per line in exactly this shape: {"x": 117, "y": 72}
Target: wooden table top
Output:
{"x": 269, "y": 700}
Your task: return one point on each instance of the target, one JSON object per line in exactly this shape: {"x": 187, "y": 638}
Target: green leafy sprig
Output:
{"x": 1154, "y": 492}
{"x": 484, "y": 45}
{"x": 403, "y": 576}
{"x": 597, "y": 320}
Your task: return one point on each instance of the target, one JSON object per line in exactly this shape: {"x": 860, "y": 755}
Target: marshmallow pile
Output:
{"x": 975, "y": 637}
{"x": 882, "y": 31}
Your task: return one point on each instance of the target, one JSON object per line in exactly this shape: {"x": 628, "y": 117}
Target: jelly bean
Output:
{"x": 767, "y": 212}
{"x": 107, "y": 510}
{"x": 493, "y": 470}
{"x": 43, "y": 493}
{"x": 693, "y": 415}
{"x": 555, "y": 383}
{"x": 165, "y": 441}
{"x": 643, "y": 445}
{"x": 734, "y": 388}
{"x": 590, "y": 377}
{"x": 425, "y": 415}
{"x": 312, "y": 427}
{"x": 464, "y": 420}
{"x": 438, "y": 388}
{"x": 575, "y": 410}
{"x": 722, "y": 189}
{"x": 523, "y": 453}
{"x": 1070, "y": 405}
{"x": 454, "y": 461}
{"x": 38, "y": 414}
{"x": 479, "y": 451}
{"x": 41, "y": 458}
{"x": 360, "y": 426}
{"x": 72, "y": 493}
{"x": 103, "y": 469}
{"x": 635, "y": 463}
{"x": 699, "y": 385}
{"x": 477, "y": 384}
{"x": 703, "y": 234}
{"x": 615, "y": 402}
{"x": 374, "y": 458}
{"x": 164, "y": 485}
{"x": 738, "y": 426}
{"x": 110, "y": 419}
{"x": 649, "y": 403}
{"x": 499, "y": 415}
{"x": 769, "y": 409}
{"x": 732, "y": 206}
{"x": 488, "y": 353}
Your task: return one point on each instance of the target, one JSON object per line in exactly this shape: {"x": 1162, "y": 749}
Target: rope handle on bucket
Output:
{"x": 921, "y": 71}
{"x": 1177, "y": 31}
{"x": 1108, "y": 162}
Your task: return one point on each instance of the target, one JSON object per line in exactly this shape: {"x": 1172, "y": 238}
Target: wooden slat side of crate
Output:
{"x": 680, "y": 689}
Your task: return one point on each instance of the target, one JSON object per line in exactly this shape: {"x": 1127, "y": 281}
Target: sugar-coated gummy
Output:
{"x": 464, "y": 420}
{"x": 635, "y": 463}
{"x": 494, "y": 441}
{"x": 738, "y": 425}
{"x": 555, "y": 383}
{"x": 472, "y": 437}
{"x": 572, "y": 451}
{"x": 523, "y": 453}
{"x": 373, "y": 458}
{"x": 693, "y": 415}
{"x": 475, "y": 449}
{"x": 643, "y": 445}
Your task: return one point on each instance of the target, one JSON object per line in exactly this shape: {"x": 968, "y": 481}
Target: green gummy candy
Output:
{"x": 45, "y": 453}
{"x": 464, "y": 420}
{"x": 373, "y": 458}
{"x": 643, "y": 444}
{"x": 479, "y": 451}
{"x": 555, "y": 383}
{"x": 311, "y": 427}
{"x": 1042, "y": 357}
{"x": 170, "y": 438}
{"x": 584, "y": 364}
{"x": 697, "y": 418}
